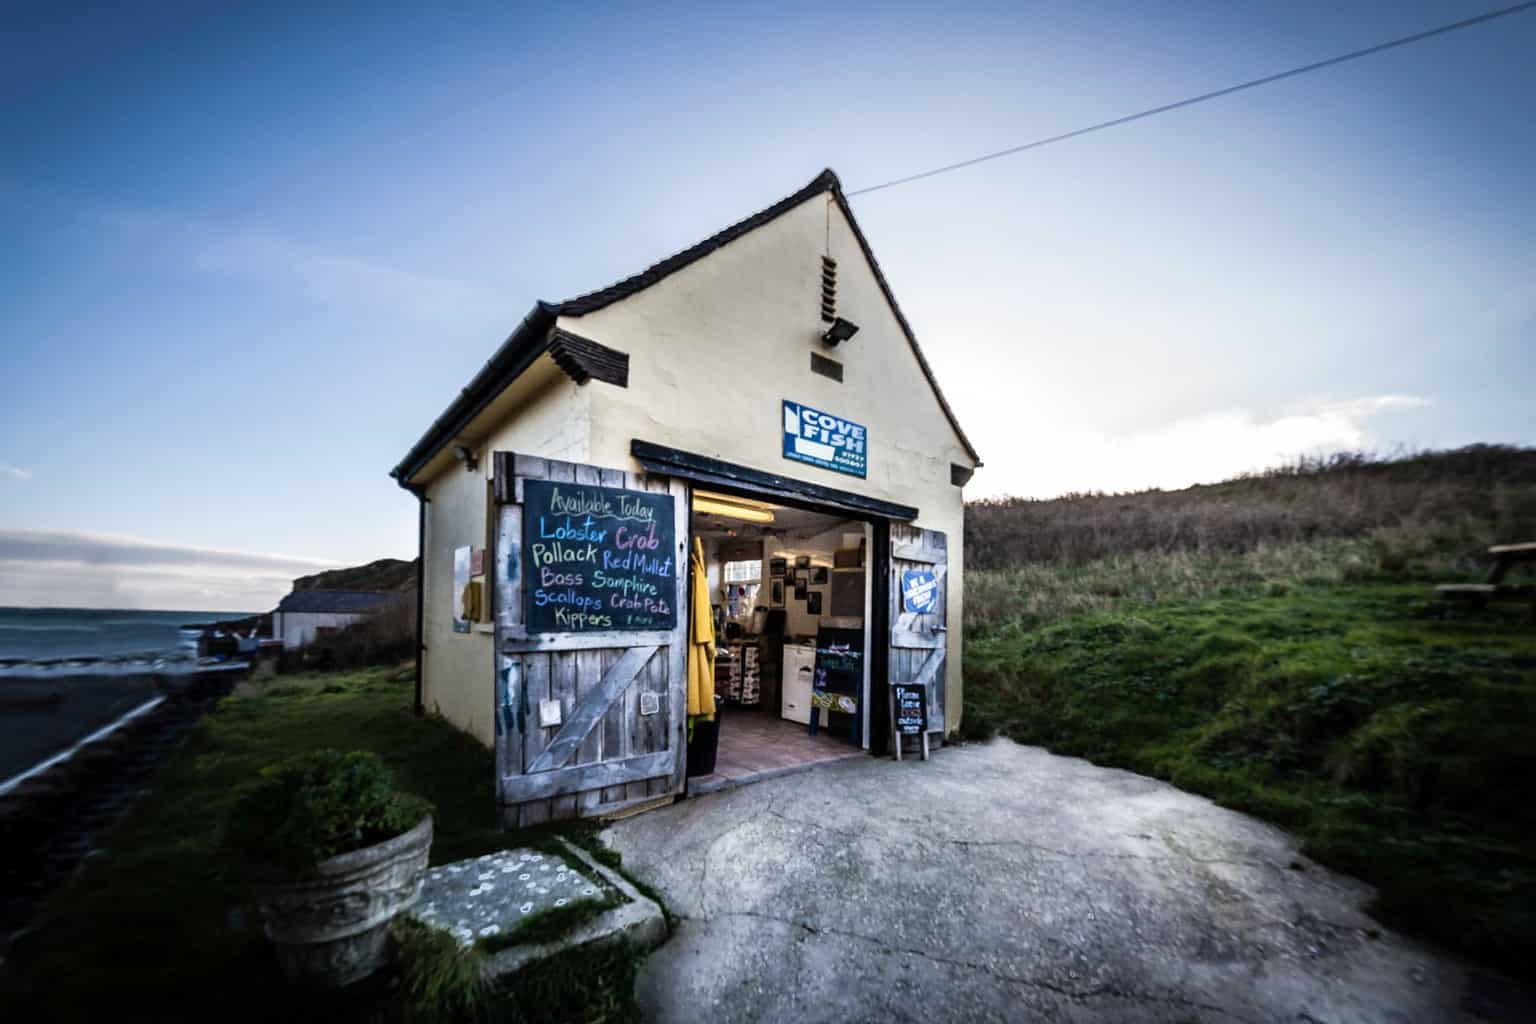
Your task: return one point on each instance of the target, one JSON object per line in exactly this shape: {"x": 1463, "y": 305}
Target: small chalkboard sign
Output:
{"x": 911, "y": 709}
{"x": 597, "y": 558}
{"x": 909, "y": 715}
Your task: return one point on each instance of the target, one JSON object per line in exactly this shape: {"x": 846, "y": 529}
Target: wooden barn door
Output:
{"x": 919, "y": 636}
{"x": 622, "y": 694}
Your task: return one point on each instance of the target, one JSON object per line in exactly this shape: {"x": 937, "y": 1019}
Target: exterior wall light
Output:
{"x": 840, "y": 331}
{"x": 467, "y": 456}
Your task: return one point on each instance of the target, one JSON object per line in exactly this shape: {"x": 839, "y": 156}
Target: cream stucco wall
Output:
{"x": 715, "y": 348}
{"x": 543, "y": 413}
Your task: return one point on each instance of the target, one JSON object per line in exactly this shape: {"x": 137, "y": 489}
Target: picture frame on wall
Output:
{"x": 776, "y": 594}
{"x": 800, "y": 590}
{"x": 813, "y": 603}
{"x": 819, "y": 575}
{"x": 776, "y": 567}
{"x": 802, "y": 561}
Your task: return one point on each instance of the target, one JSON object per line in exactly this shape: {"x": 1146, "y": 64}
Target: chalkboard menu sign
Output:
{"x": 597, "y": 558}
{"x": 911, "y": 704}
{"x": 839, "y": 678}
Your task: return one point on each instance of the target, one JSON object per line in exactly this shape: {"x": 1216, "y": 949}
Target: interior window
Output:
{"x": 740, "y": 582}
{"x": 744, "y": 572}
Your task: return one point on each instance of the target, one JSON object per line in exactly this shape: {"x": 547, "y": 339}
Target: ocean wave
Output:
{"x": 66, "y": 668}
{"x": 178, "y": 623}
{"x": 50, "y": 629}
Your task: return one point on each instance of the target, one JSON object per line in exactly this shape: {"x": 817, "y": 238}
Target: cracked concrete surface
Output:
{"x": 1000, "y": 882}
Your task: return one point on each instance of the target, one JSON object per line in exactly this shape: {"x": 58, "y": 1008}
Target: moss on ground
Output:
{"x": 550, "y": 923}
{"x": 1396, "y": 744}
{"x": 588, "y": 840}
{"x": 152, "y": 928}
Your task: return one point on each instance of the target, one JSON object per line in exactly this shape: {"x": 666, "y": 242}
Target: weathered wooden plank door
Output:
{"x": 622, "y": 694}
{"x": 919, "y": 635}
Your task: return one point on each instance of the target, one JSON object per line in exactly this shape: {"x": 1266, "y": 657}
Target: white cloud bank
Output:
{"x": 72, "y": 569}
{"x": 1196, "y": 449}
{"x": 15, "y": 472}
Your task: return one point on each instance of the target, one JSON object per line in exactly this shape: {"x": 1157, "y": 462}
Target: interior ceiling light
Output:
{"x": 722, "y": 507}
{"x": 731, "y": 499}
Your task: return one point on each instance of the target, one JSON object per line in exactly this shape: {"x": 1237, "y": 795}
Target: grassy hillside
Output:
{"x": 384, "y": 574}
{"x": 1461, "y": 500}
{"x": 1348, "y": 517}
{"x": 1274, "y": 643}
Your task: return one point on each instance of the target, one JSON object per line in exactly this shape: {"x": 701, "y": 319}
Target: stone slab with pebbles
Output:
{"x": 491, "y": 896}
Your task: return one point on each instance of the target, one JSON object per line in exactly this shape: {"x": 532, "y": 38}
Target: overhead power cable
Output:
{"x": 1203, "y": 97}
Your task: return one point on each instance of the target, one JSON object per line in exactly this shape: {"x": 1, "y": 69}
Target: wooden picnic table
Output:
{"x": 1505, "y": 557}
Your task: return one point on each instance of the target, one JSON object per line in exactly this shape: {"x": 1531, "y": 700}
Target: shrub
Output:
{"x": 308, "y": 808}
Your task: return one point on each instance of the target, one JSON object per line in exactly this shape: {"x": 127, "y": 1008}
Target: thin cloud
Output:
{"x": 97, "y": 549}
{"x": 78, "y": 585}
{"x": 1355, "y": 409}
{"x": 258, "y": 253}
{"x": 15, "y": 472}
{"x": 325, "y": 277}
{"x": 76, "y": 569}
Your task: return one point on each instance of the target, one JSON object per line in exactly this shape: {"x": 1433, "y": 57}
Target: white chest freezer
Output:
{"x": 799, "y": 674}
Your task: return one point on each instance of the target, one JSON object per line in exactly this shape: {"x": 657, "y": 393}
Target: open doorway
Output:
{"x": 790, "y": 592}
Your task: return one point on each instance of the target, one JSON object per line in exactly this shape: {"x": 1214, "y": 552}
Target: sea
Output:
{"x": 67, "y": 672}
{"x": 51, "y": 634}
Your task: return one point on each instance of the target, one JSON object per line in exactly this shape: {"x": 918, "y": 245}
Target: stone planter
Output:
{"x": 332, "y": 928}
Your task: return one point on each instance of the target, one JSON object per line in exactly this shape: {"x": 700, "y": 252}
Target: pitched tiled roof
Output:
{"x": 344, "y": 602}
{"x": 531, "y": 337}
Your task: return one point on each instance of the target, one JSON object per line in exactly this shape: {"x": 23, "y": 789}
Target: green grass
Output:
{"x": 1395, "y": 744}
{"x": 154, "y": 924}
{"x": 592, "y": 985}
{"x": 550, "y": 923}
{"x": 435, "y": 979}
{"x": 1041, "y": 594}
{"x": 587, "y": 840}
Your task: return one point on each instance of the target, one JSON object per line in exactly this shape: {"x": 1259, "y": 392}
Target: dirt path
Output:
{"x": 999, "y": 882}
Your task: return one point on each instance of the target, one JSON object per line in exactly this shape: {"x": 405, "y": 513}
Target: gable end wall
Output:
{"x": 715, "y": 348}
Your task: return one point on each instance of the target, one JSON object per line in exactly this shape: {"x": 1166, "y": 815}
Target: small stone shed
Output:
{"x": 303, "y": 614}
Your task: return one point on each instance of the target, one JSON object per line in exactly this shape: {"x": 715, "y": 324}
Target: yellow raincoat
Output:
{"x": 701, "y": 643}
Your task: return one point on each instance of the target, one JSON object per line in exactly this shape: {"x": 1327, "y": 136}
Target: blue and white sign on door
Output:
{"x": 919, "y": 591}
{"x": 824, "y": 440}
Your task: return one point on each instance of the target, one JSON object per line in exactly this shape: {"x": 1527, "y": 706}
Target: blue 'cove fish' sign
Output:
{"x": 919, "y": 591}
{"x": 824, "y": 440}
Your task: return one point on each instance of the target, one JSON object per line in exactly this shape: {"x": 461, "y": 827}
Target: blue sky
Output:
{"x": 251, "y": 255}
